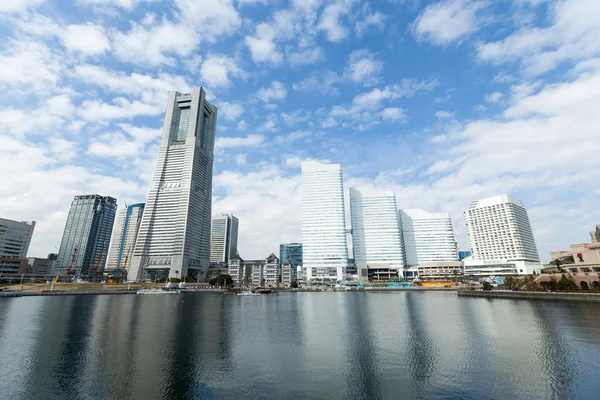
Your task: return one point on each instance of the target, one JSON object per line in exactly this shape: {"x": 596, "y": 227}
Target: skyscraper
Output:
{"x": 15, "y": 238}
{"x": 174, "y": 235}
{"x": 499, "y": 229}
{"x": 376, "y": 237}
{"x": 87, "y": 234}
{"x": 124, "y": 236}
{"x": 324, "y": 247}
{"x": 223, "y": 238}
{"x": 428, "y": 237}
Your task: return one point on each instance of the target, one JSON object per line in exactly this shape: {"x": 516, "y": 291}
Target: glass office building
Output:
{"x": 124, "y": 237}
{"x": 290, "y": 253}
{"x": 87, "y": 235}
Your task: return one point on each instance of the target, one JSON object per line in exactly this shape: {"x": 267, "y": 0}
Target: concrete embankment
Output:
{"x": 77, "y": 292}
{"x": 381, "y": 289}
{"x": 521, "y": 295}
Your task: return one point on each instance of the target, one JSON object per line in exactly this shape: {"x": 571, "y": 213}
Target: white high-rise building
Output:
{"x": 376, "y": 238}
{"x": 428, "y": 237}
{"x": 124, "y": 237}
{"x": 501, "y": 238}
{"x": 324, "y": 247}
{"x": 223, "y": 238}
{"x": 174, "y": 235}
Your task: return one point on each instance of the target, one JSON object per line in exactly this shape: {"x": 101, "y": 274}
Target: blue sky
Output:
{"x": 445, "y": 102}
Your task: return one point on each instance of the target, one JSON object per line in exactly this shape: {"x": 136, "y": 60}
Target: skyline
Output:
{"x": 363, "y": 79}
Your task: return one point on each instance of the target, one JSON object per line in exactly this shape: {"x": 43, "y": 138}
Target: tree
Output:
{"x": 566, "y": 284}
{"x": 222, "y": 280}
{"x": 294, "y": 284}
{"x": 510, "y": 281}
{"x": 487, "y": 286}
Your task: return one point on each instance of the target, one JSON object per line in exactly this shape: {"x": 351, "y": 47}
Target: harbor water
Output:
{"x": 350, "y": 345}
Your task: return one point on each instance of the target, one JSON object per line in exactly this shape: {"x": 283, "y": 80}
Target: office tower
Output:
{"x": 15, "y": 237}
{"x": 290, "y": 253}
{"x": 324, "y": 248}
{"x": 499, "y": 229}
{"x": 87, "y": 235}
{"x": 595, "y": 235}
{"x": 376, "y": 238}
{"x": 428, "y": 237}
{"x": 223, "y": 238}
{"x": 174, "y": 235}
{"x": 124, "y": 237}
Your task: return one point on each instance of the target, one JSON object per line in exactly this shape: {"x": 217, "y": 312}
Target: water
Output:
{"x": 298, "y": 346}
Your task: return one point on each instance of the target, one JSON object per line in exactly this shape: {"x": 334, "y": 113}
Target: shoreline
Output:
{"x": 526, "y": 295}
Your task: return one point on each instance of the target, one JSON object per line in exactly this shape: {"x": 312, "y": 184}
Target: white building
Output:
{"x": 223, "y": 238}
{"x": 237, "y": 270}
{"x": 174, "y": 236}
{"x": 325, "y": 251}
{"x": 124, "y": 236}
{"x": 271, "y": 271}
{"x": 288, "y": 274}
{"x": 376, "y": 237}
{"x": 428, "y": 237}
{"x": 501, "y": 238}
{"x": 257, "y": 271}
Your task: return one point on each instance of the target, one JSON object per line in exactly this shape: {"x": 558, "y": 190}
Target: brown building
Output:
{"x": 581, "y": 262}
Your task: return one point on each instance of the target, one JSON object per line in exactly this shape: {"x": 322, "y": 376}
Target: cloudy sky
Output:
{"x": 445, "y": 102}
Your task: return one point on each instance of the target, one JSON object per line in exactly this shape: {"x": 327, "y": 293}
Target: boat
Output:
{"x": 248, "y": 293}
{"x": 157, "y": 291}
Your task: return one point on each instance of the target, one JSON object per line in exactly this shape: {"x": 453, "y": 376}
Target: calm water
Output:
{"x": 298, "y": 346}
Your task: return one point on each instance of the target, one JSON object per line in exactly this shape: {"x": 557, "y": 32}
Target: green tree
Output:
{"x": 294, "y": 284}
{"x": 487, "y": 286}
{"x": 566, "y": 283}
{"x": 223, "y": 280}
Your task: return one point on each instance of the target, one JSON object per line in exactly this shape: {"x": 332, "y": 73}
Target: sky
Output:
{"x": 445, "y": 102}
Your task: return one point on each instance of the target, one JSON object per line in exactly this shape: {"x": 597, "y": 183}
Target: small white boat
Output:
{"x": 248, "y": 293}
{"x": 157, "y": 291}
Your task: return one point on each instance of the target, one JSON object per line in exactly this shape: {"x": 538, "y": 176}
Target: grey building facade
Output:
{"x": 174, "y": 235}
{"x": 15, "y": 237}
{"x": 87, "y": 234}
{"x": 223, "y": 238}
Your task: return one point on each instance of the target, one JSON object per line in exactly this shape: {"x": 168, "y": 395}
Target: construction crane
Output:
{"x": 71, "y": 264}
{"x": 124, "y": 266}
{"x": 97, "y": 267}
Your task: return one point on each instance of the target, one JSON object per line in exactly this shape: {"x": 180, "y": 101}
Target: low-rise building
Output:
{"x": 237, "y": 270}
{"x": 288, "y": 274}
{"x": 216, "y": 269}
{"x": 444, "y": 271}
{"x": 256, "y": 272}
{"x": 486, "y": 268}
{"x": 581, "y": 262}
{"x": 271, "y": 271}
{"x": 41, "y": 266}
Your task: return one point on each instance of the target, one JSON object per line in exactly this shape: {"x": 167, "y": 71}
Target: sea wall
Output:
{"x": 521, "y": 295}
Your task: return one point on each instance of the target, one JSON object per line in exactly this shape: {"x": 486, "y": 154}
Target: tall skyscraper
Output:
{"x": 428, "y": 237}
{"x": 223, "y": 238}
{"x": 376, "y": 237}
{"x": 174, "y": 235}
{"x": 15, "y": 238}
{"x": 290, "y": 253}
{"x": 499, "y": 229}
{"x": 124, "y": 237}
{"x": 87, "y": 234}
{"x": 324, "y": 247}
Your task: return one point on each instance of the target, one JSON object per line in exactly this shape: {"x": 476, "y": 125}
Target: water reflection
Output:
{"x": 300, "y": 346}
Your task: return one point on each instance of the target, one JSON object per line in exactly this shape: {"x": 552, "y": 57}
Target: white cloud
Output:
{"x": 29, "y": 64}
{"x": 17, "y": 6}
{"x": 444, "y": 114}
{"x": 296, "y": 135}
{"x": 448, "y": 21}
{"x": 295, "y": 117}
{"x": 240, "y": 159}
{"x": 330, "y": 21}
{"x": 126, "y": 4}
{"x": 217, "y": 69}
{"x": 368, "y": 19}
{"x": 122, "y": 108}
{"x": 572, "y": 35}
{"x": 363, "y": 67}
{"x": 242, "y": 125}
{"x": 87, "y": 39}
{"x": 154, "y": 44}
{"x": 211, "y": 19}
{"x": 232, "y": 142}
{"x": 230, "y": 111}
{"x": 393, "y": 114}
{"x": 306, "y": 57}
{"x": 493, "y": 97}
{"x": 276, "y": 91}
{"x": 319, "y": 83}
{"x": 263, "y": 48}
